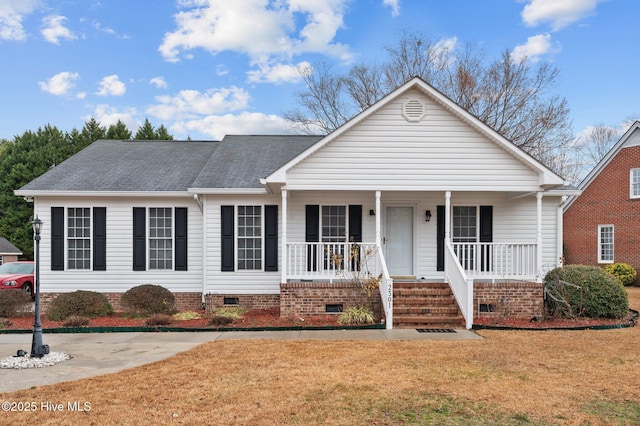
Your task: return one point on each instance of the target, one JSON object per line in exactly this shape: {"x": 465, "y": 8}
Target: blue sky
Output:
{"x": 206, "y": 68}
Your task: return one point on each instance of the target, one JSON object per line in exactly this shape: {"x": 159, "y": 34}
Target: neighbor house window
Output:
{"x": 1, "y": 260}
{"x": 79, "y": 238}
{"x": 249, "y": 237}
{"x": 605, "y": 244}
{"x": 160, "y": 238}
{"x": 634, "y": 184}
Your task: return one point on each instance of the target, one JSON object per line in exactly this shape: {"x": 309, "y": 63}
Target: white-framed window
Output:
{"x": 465, "y": 224}
{"x": 79, "y": 238}
{"x": 334, "y": 224}
{"x": 160, "y": 238}
{"x": 634, "y": 183}
{"x": 1, "y": 260}
{"x": 249, "y": 238}
{"x": 605, "y": 243}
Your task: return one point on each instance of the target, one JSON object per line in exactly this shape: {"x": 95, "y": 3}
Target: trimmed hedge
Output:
{"x": 600, "y": 295}
{"x": 82, "y": 303}
{"x": 149, "y": 299}
{"x": 12, "y": 302}
{"x": 622, "y": 271}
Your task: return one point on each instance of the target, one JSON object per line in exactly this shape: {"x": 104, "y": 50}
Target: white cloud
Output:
{"x": 217, "y": 126}
{"x": 278, "y": 73}
{"x": 60, "y": 84}
{"x": 159, "y": 82}
{"x": 560, "y": 13}
{"x": 276, "y": 32}
{"x": 190, "y": 104}
{"x": 107, "y": 115}
{"x": 443, "y": 51}
{"x": 53, "y": 29}
{"x": 534, "y": 48}
{"x": 111, "y": 85}
{"x": 12, "y": 13}
{"x": 394, "y": 5}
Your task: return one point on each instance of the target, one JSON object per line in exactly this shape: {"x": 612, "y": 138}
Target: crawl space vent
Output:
{"x": 413, "y": 110}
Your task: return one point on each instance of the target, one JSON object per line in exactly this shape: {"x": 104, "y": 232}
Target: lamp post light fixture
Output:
{"x": 38, "y": 350}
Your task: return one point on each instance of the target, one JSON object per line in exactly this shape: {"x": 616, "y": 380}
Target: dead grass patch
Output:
{"x": 510, "y": 377}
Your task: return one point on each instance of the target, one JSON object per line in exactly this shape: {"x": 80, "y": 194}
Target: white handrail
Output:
{"x": 497, "y": 260}
{"x": 461, "y": 285}
{"x": 386, "y": 290}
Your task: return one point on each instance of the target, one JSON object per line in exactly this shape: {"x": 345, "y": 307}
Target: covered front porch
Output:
{"x": 452, "y": 260}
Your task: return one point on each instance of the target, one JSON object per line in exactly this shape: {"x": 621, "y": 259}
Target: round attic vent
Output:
{"x": 413, "y": 110}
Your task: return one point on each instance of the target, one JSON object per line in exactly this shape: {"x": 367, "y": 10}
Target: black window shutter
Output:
{"x": 486, "y": 224}
{"x": 355, "y": 223}
{"x": 99, "y": 238}
{"x": 226, "y": 233}
{"x": 139, "y": 238}
{"x": 440, "y": 232}
{"x": 312, "y": 234}
{"x": 181, "y": 239}
{"x": 486, "y": 236}
{"x": 271, "y": 238}
{"x": 57, "y": 238}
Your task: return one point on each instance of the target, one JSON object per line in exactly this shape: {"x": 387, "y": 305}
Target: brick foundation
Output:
{"x": 184, "y": 301}
{"x": 247, "y": 301}
{"x": 509, "y": 299}
{"x": 311, "y": 298}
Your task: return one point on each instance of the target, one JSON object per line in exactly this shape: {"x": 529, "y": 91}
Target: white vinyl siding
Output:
{"x": 79, "y": 238}
{"x": 441, "y": 152}
{"x": 119, "y": 276}
{"x": 634, "y": 183}
{"x": 605, "y": 243}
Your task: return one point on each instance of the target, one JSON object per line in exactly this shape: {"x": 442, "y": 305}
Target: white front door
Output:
{"x": 398, "y": 240}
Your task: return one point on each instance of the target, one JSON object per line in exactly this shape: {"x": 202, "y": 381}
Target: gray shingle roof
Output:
{"x": 7, "y": 248}
{"x": 141, "y": 166}
{"x": 241, "y": 161}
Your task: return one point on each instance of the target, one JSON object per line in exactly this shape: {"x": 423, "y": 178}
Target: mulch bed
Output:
{"x": 554, "y": 323}
{"x": 257, "y": 318}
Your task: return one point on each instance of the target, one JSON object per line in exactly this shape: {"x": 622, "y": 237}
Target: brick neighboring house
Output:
{"x": 602, "y": 226}
{"x": 8, "y": 252}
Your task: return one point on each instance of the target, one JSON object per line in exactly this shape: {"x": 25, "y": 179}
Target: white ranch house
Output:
{"x": 433, "y": 194}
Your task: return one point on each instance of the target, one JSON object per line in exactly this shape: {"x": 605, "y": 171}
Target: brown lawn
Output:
{"x": 509, "y": 378}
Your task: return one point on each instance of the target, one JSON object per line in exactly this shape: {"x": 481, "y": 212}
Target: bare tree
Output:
{"x": 595, "y": 144}
{"x": 510, "y": 96}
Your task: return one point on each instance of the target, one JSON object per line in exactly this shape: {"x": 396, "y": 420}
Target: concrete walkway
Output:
{"x": 95, "y": 354}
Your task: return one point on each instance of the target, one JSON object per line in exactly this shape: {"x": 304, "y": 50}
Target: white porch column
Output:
{"x": 283, "y": 249}
{"x": 447, "y": 217}
{"x": 378, "y": 220}
{"x": 539, "y": 233}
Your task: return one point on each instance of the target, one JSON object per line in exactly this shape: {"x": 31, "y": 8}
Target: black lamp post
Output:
{"x": 37, "y": 348}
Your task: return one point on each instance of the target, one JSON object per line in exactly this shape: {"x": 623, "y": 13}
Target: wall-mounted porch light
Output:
{"x": 427, "y": 215}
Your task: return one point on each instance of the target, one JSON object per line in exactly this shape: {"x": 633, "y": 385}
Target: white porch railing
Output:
{"x": 337, "y": 261}
{"x": 461, "y": 285}
{"x": 497, "y": 260}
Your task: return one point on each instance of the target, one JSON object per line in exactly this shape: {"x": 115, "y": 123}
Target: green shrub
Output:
{"x": 356, "y": 315}
{"x": 220, "y": 320}
{"x": 158, "y": 319}
{"x": 13, "y": 302}
{"x": 149, "y": 299}
{"x": 600, "y": 295}
{"x": 89, "y": 304}
{"x": 233, "y": 312}
{"x": 622, "y": 271}
{"x": 76, "y": 321}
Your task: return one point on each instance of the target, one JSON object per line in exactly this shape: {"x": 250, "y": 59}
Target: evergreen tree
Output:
{"x": 162, "y": 134}
{"x": 146, "y": 132}
{"x": 118, "y": 131}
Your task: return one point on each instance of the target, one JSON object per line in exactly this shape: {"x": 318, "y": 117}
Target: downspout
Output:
{"x": 560, "y": 231}
{"x": 203, "y": 212}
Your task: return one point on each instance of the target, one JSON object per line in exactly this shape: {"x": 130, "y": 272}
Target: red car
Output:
{"x": 17, "y": 275}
